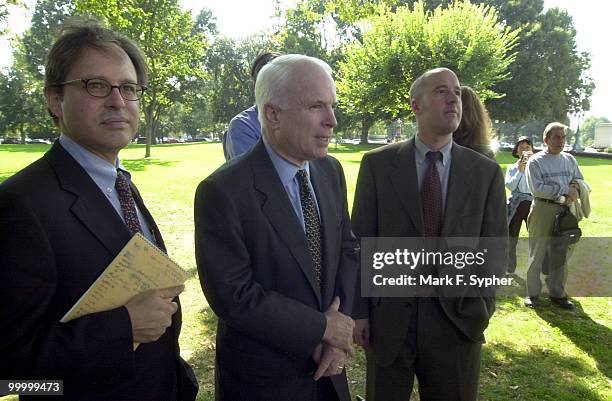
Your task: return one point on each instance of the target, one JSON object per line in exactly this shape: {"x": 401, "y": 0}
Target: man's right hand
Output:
{"x": 339, "y": 328}
{"x": 361, "y": 333}
{"x": 151, "y": 313}
{"x": 572, "y": 196}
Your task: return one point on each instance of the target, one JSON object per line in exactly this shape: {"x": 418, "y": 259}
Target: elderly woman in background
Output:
{"x": 475, "y": 130}
{"x": 519, "y": 202}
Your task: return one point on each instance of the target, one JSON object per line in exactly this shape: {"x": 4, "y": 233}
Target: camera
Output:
{"x": 525, "y": 155}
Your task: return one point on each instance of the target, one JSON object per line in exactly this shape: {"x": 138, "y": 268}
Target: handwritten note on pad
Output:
{"x": 140, "y": 266}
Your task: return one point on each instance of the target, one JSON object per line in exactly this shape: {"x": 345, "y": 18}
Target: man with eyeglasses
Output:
{"x": 65, "y": 217}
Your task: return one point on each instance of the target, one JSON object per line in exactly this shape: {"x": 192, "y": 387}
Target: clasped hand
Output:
{"x": 337, "y": 343}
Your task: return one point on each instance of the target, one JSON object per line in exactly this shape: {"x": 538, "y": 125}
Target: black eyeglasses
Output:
{"x": 98, "y": 87}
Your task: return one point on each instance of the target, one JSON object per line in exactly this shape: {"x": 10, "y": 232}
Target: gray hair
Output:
{"x": 553, "y": 126}
{"x": 416, "y": 89}
{"x": 274, "y": 80}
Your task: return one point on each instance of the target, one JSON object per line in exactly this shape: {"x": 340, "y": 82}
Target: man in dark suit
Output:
{"x": 436, "y": 339}
{"x": 275, "y": 252}
{"x": 64, "y": 218}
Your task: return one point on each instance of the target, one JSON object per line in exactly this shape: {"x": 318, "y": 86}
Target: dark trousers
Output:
{"x": 514, "y": 228}
{"x": 230, "y": 387}
{"x": 445, "y": 362}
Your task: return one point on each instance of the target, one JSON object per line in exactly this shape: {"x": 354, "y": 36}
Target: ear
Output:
{"x": 415, "y": 107}
{"x": 54, "y": 100}
{"x": 272, "y": 113}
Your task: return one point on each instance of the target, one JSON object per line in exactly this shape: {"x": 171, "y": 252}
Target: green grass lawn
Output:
{"x": 530, "y": 355}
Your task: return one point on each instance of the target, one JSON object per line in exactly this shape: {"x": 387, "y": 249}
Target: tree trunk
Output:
{"x": 365, "y": 129}
{"x": 149, "y": 125}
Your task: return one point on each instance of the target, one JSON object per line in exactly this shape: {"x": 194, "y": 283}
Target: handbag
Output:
{"x": 566, "y": 227}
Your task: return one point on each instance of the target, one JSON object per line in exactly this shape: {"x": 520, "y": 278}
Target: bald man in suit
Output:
{"x": 438, "y": 340}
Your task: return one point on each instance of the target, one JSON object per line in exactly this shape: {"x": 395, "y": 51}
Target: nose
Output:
{"x": 114, "y": 99}
{"x": 331, "y": 121}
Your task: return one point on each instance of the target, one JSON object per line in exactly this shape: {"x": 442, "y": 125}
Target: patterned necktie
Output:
{"x": 128, "y": 206}
{"x": 311, "y": 222}
{"x": 431, "y": 196}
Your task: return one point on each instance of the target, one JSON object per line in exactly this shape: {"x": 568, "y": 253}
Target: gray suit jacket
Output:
{"x": 256, "y": 273}
{"x": 388, "y": 204}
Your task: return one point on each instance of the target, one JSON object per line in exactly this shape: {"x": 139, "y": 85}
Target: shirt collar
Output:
{"x": 286, "y": 170}
{"x": 100, "y": 170}
{"x": 422, "y": 149}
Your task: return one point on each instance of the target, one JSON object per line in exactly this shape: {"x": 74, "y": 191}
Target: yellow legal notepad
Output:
{"x": 140, "y": 266}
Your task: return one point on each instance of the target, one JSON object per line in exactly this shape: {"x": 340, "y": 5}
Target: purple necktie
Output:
{"x": 311, "y": 222}
{"x": 431, "y": 195}
{"x": 128, "y": 206}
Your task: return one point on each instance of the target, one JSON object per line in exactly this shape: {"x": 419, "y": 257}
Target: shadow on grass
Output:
{"x": 591, "y": 337}
{"x": 535, "y": 374}
{"x": 4, "y": 176}
{"x": 346, "y": 148}
{"x": 593, "y": 161}
{"x": 142, "y": 164}
{"x": 170, "y": 145}
{"x": 192, "y": 272}
{"x": 203, "y": 359}
{"x": 36, "y": 148}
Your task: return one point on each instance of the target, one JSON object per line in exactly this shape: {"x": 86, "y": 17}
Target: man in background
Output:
{"x": 551, "y": 176}
{"x": 244, "y": 129}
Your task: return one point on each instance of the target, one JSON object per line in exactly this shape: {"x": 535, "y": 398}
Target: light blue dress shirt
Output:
{"x": 104, "y": 175}
{"x": 244, "y": 130}
{"x": 286, "y": 172}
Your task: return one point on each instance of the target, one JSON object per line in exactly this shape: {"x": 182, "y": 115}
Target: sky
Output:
{"x": 239, "y": 18}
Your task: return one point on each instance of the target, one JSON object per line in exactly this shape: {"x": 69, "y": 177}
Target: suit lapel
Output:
{"x": 458, "y": 191}
{"x": 90, "y": 207}
{"x": 147, "y": 215}
{"x": 404, "y": 179}
{"x": 329, "y": 217}
{"x": 279, "y": 211}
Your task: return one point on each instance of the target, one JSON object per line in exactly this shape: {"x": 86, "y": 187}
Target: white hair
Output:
{"x": 274, "y": 81}
{"x": 553, "y": 126}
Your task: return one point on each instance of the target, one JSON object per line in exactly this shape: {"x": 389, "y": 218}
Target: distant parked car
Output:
{"x": 38, "y": 142}
{"x": 11, "y": 141}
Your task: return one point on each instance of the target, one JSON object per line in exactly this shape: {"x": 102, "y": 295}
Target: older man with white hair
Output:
{"x": 551, "y": 176}
{"x": 275, "y": 252}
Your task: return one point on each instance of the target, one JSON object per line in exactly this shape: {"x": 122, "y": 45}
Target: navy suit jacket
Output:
{"x": 58, "y": 232}
{"x": 257, "y": 275}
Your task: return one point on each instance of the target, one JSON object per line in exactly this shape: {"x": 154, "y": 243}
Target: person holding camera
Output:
{"x": 519, "y": 202}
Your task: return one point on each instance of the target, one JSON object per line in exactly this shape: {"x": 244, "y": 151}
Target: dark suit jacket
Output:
{"x": 58, "y": 232}
{"x": 388, "y": 204}
{"x": 257, "y": 275}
